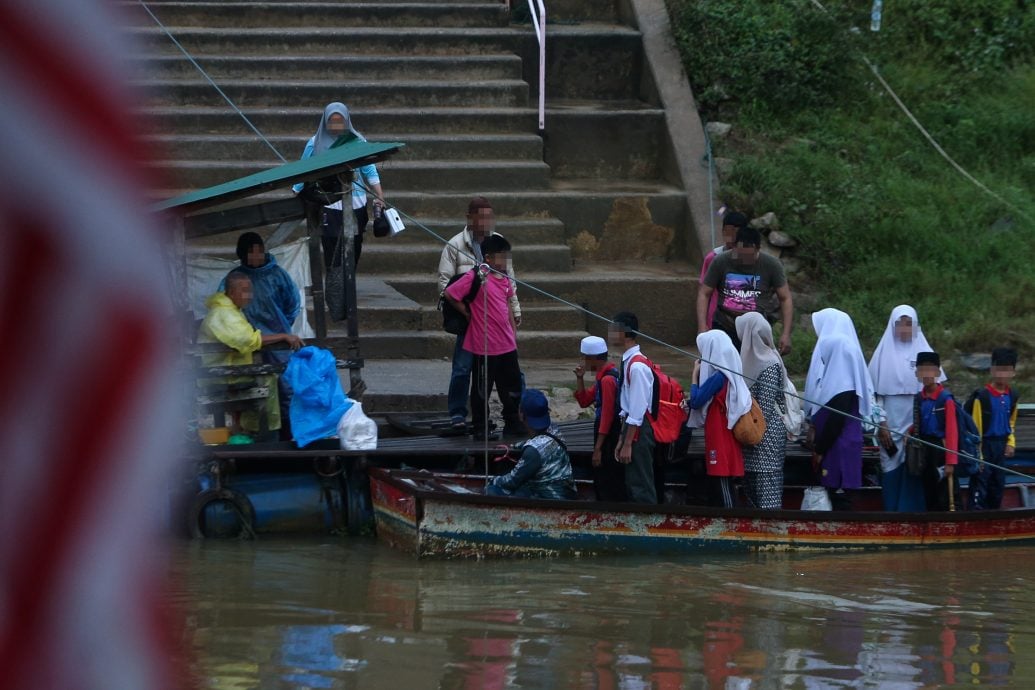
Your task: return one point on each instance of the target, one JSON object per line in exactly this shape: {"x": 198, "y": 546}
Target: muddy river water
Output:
{"x": 350, "y": 613}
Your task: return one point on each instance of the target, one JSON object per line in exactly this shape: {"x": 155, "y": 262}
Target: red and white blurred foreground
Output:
{"x": 88, "y": 414}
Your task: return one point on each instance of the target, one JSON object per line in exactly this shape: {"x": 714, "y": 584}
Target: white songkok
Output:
{"x": 593, "y": 345}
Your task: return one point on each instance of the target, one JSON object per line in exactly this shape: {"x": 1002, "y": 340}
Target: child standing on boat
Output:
{"x": 936, "y": 424}
{"x": 893, "y": 369}
{"x": 491, "y": 335}
{"x": 544, "y": 469}
{"x": 608, "y": 475}
{"x": 636, "y": 383}
{"x": 994, "y": 409}
{"x": 719, "y": 397}
{"x": 840, "y": 393}
{"x": 765, "y": 374}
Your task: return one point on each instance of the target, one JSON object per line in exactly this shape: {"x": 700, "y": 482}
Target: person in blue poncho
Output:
{"x": 274, "y": 306}
{"x": 275, "y": 298}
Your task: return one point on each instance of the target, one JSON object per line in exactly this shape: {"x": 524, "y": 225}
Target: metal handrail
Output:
{"x": 539, "y": 23}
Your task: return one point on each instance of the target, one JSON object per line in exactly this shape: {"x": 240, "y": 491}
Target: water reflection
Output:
{"x": 352, "y": 614}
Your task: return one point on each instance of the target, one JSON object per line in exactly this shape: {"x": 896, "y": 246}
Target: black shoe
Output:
{"x": 457, "y": 428}
{"x": 479, "y": 434}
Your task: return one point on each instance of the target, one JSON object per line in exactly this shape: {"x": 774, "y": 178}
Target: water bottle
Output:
{"x": 875, "y": 15}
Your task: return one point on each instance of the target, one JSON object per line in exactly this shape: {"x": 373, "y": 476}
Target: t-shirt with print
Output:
{"x": 493, "y": 297}
{"x": 744, "y": 287}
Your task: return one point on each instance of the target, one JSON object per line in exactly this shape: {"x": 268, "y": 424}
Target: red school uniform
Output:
{"x": 722, "y": 453}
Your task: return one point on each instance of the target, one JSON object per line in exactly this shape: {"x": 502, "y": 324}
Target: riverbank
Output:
{"x": 879, "y": 216}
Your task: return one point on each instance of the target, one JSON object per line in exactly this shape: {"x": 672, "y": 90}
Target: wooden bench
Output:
{"x": 240, "y": 389}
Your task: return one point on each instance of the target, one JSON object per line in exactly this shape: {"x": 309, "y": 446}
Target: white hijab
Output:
{"x": 844, "y": 369}
{"x": 833, "y": 323}
{"x": 719, "y": 355}
{"x": 324, "y": 138}
{"x": 893, "y": 365}
{"x": 757, "y": 350}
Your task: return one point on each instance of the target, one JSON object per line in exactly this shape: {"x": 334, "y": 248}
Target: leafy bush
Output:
{"x": 775, "y": 56}
{"x": 961, "y": 36}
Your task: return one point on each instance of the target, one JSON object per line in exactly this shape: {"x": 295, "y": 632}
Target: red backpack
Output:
{"x": 667, "y": 416}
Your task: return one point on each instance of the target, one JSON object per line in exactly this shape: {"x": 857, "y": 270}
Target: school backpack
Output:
{"x": 968, "y": 440}
{"x": 452, "y": 320}
{"x": 985, "y": 398}
{"x": 667, "y": 416}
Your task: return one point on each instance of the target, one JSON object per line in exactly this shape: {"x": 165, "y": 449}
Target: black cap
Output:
{"x": 1004, "y": 357}
{"x": 928, "y": 358}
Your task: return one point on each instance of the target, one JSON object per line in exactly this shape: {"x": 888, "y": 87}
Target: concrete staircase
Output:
{"x": 455, "y": 81}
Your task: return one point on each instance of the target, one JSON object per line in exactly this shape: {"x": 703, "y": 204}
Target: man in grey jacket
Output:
{"x": 461, "y": 254}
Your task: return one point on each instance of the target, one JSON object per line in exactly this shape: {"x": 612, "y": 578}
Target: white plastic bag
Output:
{"x": 816, "y": 498}
{"x": 395, "y": 223}
{"x": 792, "y": 414}
{"x": 356, "y": 431}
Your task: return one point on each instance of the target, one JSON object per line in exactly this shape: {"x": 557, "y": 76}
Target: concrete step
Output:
{"x": 303, "y": 121}
{"x": 325, "y": 40}
{"x": 428, "y": 318}
{"x": 661, "y": 294}
{"x": 400, "y": 176}
{"x": 439, "y": 344}
{"x": 637, "y": 141}
{"x": 414, "y": 94}
{"x": 418, "y": 146}
{"x": 303, "y": 14}
{"x": 590, "y": 61}
{"x": 387, "y": 258}
{"x": 519, "y": 231}
{"x": 578, "y": 204}
{"x": 332, "y": 66}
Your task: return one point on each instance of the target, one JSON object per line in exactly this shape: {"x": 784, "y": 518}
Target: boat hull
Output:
{"x": 417, "y": 518}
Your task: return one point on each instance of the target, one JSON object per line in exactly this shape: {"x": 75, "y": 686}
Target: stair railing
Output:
{"x": 538, "y": 12}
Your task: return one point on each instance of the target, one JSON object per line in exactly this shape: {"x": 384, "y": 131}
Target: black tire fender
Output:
{"x": 245, "y": 510}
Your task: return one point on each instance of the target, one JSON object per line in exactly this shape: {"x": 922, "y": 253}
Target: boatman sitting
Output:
{"x": 544, "y": 468}
{"x": 225, "y": 323}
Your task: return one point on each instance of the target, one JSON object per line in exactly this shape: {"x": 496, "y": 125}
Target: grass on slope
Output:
{"x": 881, "y": 217}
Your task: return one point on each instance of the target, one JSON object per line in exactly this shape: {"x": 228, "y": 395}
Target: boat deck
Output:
{"x": 578, "y": 435}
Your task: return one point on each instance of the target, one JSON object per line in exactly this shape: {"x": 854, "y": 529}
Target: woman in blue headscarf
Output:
{"x": 334, "y": 123}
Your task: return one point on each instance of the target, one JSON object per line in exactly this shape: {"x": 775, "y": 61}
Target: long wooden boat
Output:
{"x": 447, "y": 516}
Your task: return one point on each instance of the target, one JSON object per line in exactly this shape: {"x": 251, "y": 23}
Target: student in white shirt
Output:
{"x": 636, "y": 381}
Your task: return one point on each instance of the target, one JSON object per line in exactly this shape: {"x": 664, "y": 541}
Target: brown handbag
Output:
{"x": 750, "y": 428}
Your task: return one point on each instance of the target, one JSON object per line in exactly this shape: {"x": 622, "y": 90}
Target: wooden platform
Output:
{"x": 578, "y": 436}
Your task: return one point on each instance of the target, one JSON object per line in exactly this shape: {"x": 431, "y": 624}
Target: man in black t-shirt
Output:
{"x": 747, "y": 280}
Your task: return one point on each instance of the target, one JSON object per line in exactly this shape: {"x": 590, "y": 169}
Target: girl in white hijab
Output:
{"x": 764, "y": 371}
{"x": 829, "y": 323}
{"x": 893, "y": 368}
{"x": 841, "y": 395}
{"x": 719, "y": 397}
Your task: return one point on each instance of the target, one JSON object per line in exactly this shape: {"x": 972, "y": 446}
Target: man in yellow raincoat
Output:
{"x": 225, "y": 323}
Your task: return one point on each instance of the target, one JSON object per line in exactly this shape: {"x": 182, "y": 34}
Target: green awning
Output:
{"x": 336, "y": 159}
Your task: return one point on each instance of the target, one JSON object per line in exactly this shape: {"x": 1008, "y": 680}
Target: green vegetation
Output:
{"x": 882, "y": 218}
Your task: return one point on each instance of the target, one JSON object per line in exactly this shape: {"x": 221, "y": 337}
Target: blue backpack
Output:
{"x": 968, "y": 441}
